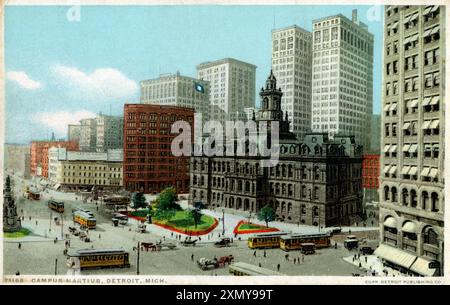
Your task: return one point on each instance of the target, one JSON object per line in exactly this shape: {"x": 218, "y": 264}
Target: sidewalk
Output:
{"x": 373, "y": 264}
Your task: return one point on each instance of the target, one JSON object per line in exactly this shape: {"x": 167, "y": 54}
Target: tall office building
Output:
{"x": 412, "y": 160}
{"x": 85, "y": 133}
{"x": 342, "y": 77}
{"x": 109, "y": 132}
{"x": 232, "y": 88}
{"x": 291, "y": 64}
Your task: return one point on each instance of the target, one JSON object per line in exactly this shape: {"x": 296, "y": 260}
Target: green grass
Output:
{"x": 251, "y": 226}
{"x": 18, "y": 234}
{"x": 181, "y": 220}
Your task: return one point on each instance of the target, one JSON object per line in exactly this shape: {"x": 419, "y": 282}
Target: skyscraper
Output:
{"x": 291, "y": 64}
{"x": 342, "y": 77}
{"x": 109, "y": 132}
{"x": 232, "y": 87}
{"x": 412, "y": 160}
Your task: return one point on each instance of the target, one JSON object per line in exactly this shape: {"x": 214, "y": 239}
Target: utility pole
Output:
{"x": 223, "y": 222}
{"x": 62, "y": 226}
{"x": 56, "y": 266}
{"x": 138, "y": 252}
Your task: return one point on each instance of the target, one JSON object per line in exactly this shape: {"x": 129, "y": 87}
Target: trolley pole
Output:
{"x": 138, "y": 252}
{"x": 56, "y": 266}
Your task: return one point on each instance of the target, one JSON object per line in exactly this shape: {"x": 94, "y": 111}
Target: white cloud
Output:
{"x": 23, "y": 80}
{"x": 101, "y": 84}
{"x": 59, "y": 120}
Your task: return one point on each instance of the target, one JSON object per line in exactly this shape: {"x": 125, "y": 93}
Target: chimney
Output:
{"x": 355, "y": 16}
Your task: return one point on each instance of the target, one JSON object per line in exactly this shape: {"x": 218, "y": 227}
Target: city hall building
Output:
{"x": 317, "y": 181}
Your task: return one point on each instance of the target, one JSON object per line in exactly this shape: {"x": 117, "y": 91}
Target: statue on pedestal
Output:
{"x": 11, "y": 221}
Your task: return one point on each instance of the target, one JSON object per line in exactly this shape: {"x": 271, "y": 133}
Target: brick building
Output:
{"x": 39, "y": 154}
{"x": 149, "y": 165}
{"x": 370, "y": 175}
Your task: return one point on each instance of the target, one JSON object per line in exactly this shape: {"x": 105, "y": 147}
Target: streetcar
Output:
{"x": 98, "y": 258}
{"x": 295, "y": 241}
{"x": 245, "y": 269}
{"x": 85, "y": 219}
{"x": 57, "y": 206}
{"x": 33, "y": 194}
{"x": 265, "y": 240}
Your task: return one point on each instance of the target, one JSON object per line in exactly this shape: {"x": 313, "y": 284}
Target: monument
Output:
{"x": 11, "y": 222}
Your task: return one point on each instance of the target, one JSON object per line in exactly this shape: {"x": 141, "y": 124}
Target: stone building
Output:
{"x": 16, "y": 158}
{"x": 39, "y": 155}
{"x": 316, "y": 182}
{"x": 76, "y": 170}
{"x": 342, "y": 78}
{"x": 85, "y": 133}
{"x": 412, "y": 161}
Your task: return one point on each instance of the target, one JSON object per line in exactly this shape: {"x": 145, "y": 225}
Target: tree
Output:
{"x": 138, "y": 200}
{"x": 266, "y": 214}
{"x": 195, "y": 215}
{"x": 166, "y": 204}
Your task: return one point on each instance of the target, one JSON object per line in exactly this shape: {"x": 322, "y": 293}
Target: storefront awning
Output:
{"x": 390, "y": 222}
{"x": 406, "y": 147}
{"x": 393, "y": 148}
{"x": 421, "y": 266}
{"x": 386, "y": 148}
{"x": 395, "y": 256}
{"x": 409, "y": 227}
{"x": 406, "y": 125}
{"x": 386, "y": 169}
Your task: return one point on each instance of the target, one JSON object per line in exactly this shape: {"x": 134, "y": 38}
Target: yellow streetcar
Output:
{"x": 295, "y": 241}
{"x": 265, "y": 240}
{"x": 98, "y": 258}
{"x": 85, "y": 219}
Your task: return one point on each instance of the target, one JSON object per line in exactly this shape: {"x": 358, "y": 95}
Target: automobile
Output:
{"x": 351, "y": 242}
{"x": 205, "y": 263}
{"x": 366, "y": 250}
{"x": 224, "y": 242}
{"x": 308, "y": 248}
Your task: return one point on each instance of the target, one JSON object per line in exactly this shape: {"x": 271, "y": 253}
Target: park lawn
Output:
{"x": 140, "y": 213}
{"x": 181, "y": 221}
{"x": 18, "y": 234}
{"x": 245, "y": 227}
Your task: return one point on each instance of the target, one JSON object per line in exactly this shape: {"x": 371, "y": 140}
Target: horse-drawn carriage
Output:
{"x": 157, "y": 247}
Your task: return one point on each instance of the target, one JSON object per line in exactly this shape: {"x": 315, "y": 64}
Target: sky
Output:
{"x": 66, "y": 63}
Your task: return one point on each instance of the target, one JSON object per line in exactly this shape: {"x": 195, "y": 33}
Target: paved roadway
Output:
{"x": 39, "y": 251}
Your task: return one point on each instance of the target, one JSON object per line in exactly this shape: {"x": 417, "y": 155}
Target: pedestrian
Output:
{"x": 254, "y": 253}
{"x": 17, "y": 272}
{"x": 359, "y": 265}
{"x": 171, "y": 234}
{"x": 99, "y": 236}
{"x": 264, "y": 254}
{"x": 278, "y": 267}
{"x": 366, "y": 259}
{"x": 286, "y": 257}
{"x": 20, "y": 246}
{"x": 295, "y": 260}
{"x": 335, "y": 245}
{"x": 303, "y": 258}
{"x": 199, "y": 238}
{"x": 192, "y": 257}
{"x": 259, "y": 265}
{"x": 30, "y": 218}
{"x": 36, "y": 222}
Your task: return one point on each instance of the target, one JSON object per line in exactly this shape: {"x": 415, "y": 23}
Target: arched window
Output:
{"x": 413, "y": 198}
{"x": 430, "y": 236}
{"x": 434, "y": 202}
{"x": 425, "y": 199}
{"x": 394, "y": 194}
{"x": 315, "y": 211}
{"x": 405, "y": 197}
{"x": 386, "y": 193}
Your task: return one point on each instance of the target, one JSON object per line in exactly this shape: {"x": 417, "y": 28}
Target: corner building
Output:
{"x": 412, "y": 178}
{"x": 149, "y": 165}
{"x": 317, "y": 181}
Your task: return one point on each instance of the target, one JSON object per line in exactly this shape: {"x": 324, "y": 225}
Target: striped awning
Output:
{"x": 386, "y": 148}
{"x": 434, "y": 100}
{"x": 433, "y": 173}
{"x": 425, "y": 172}
{"x": 386, "y": 169}
{"x": 406, "y": 147}
{"x": 426, "y": 124}
{"x": 393, "y": 170}
{"x": 413, "y": 148}
{"x": 413, "y": 171}
{"x": 414, "y": 103}
{"x": 405, "y": 170}
{"x": 393, "y": 148}
{"x": 426, "y": 101}
{"x": 406, "y": 125}
{"x": 421, "y": 266}
{"x": 395, "y": 255}
{"x": 434, "y": 124}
